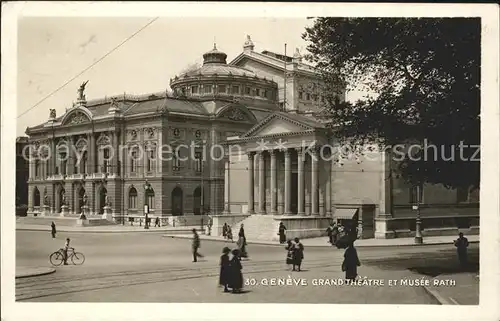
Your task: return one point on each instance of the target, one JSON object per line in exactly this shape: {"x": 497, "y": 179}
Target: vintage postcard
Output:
{"x": 319, "y": 160}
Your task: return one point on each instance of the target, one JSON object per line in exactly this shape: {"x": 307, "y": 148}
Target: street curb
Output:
{"x": 326, "y": 245}
{"x": 45, "y": 271}
{"x": 90, "y": 231}
{"x": 435, "y": 294}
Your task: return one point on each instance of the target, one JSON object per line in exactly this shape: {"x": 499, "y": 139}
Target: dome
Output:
{"x": 215, "y": 64}
{"x": 214, "y": 56}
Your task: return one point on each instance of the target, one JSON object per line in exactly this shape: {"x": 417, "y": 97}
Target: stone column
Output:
{"x": 328, "y": 190}
{"x": 227, "y": 207}
{"x": 314, "y": 183}
{"x": 288, "y": 181}
{"x": 71, "y": 157}
{"x": 274, "y": 184}
{"x": 262, "y": 183}
{"x": 115, "y": 154}
{"x": 92, "y": 155}
{"x": 53, "y": 157}
{"x": 251, "y": 209}
{"x": 300, "y": 183}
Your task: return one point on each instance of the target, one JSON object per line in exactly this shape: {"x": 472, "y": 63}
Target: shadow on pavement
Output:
{"x": 434, "y": 271}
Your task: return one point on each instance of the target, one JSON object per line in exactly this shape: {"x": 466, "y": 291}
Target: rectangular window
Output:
{"x": 236, "y": 90}
{"x": 315, "y": 97}
{"x": 301, "y": 95}
{"x": 416, "y": 195}
{"x": 222, "y": 89}
{"x": 198, "y": 162}
{"x": 133, "y": 162}
{"x": 194, "y": 89}
{"x": 207, "y": 89}
{"x": 308, "y": 96}
{"x": 106, "y": 161}
{"x": 248, "y": 90}
{"x": 176, "y": 164}
{"x": 37, "y": 168}
{"x": 265, "y": 93}
{"x": 257, "y": 92}
{"x": 151, "y": 158}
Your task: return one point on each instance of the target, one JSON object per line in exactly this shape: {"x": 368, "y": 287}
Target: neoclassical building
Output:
{"x": 261, "y": 108}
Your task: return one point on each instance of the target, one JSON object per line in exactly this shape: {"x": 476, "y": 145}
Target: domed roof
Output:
{"x": 215, "y": 64}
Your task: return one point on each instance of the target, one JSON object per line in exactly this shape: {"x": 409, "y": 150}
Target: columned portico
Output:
{"x": 314, "y": 183}
{"x": 262, "y": 183}
{"x": 274, "y": 184}
{"x": 288, "y": 181}
{"x": 300, "y": 182}
{"x": 250, "y": 183}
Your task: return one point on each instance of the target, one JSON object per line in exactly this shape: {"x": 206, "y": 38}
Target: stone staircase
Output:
{"x": 258, "y": 228}
{"x": 61, "y": 221}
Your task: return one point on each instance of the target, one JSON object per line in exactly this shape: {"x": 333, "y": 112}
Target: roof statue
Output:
{"x": 81, "y": 96}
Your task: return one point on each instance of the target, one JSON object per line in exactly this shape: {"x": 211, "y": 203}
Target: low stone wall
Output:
{"x": 430, "y": 226}
{"x": 303, "y": 226}
{"x": 231, "y": 219}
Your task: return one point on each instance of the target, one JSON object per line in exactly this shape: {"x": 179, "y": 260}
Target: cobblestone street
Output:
{"x": 145, "y": 267}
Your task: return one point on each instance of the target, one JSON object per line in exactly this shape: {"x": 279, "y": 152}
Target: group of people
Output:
{"x": 295, "y": 254}
{"x": 340, "y": 235}
{"x": 230, "y": 276}
{"x": 227, "y": 233}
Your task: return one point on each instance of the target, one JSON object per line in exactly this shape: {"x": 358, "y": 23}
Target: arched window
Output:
{"x": 132, "y": 198}
{"x": 150, "y": 198}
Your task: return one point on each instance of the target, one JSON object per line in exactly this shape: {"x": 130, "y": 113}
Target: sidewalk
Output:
{"x": 25, "y": 272}
{"x": 322, "y": 241}
{"x": 465, "y": 291}
{"x": 107, "y": 228}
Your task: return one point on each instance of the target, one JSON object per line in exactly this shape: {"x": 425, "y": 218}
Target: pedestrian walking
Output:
{"x": 282, "y": 233}
{"x": 224, "y": 230}
{"x": 351, "y": 262}
{"x": 298, "y": 254}
{"x": 461, "y": 244}
{"x": 242, "y": 242}
{"x": 157, "y": 222}
{"x": 289, "y": 253}
{"x": 229, "y": 233}
{"x": 225, "y": 273}
{"x": 53, "y": 230}
{"x": 196, "y": 246}
{"x": 236, "y": 277}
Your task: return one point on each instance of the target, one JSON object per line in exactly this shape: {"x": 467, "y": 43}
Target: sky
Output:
{"x": 53, "y": 50}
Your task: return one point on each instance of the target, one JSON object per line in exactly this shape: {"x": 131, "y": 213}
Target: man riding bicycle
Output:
{"x": 65, "y": 251}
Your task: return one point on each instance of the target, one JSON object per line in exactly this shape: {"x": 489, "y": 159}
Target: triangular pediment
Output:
{"x": 277, "y": 124}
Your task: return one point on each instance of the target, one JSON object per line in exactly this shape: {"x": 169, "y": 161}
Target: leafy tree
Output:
{"x": 424, "y": 74}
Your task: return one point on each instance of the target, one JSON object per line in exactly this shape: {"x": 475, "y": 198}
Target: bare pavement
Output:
{"x": 146, "y": 267}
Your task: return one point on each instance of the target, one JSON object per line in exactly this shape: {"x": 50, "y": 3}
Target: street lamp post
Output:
{"x": 418, "y": 223}
{"x": 147, "y": 187}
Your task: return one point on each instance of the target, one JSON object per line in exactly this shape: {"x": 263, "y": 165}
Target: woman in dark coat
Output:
{"x": 53, "y": 229}
{"x": 242, "y": 242}
{"x": 282, "y": 233}
{"x": 351, "y": 262}
{"x": 224, "y": 269}
{"x": 298, "y": 254}
{"x": 236, "y": 277}
{"x": 289, "y": 252}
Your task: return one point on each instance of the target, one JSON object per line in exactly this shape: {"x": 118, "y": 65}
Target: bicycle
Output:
{"x": 57, "y": 258}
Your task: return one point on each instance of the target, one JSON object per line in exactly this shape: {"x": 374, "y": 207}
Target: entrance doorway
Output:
{"x": 102, "y": 199}
{"x": 197, "y": 201}
{"x": 177, "y": 208}
{"x": 81, "y": 193}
